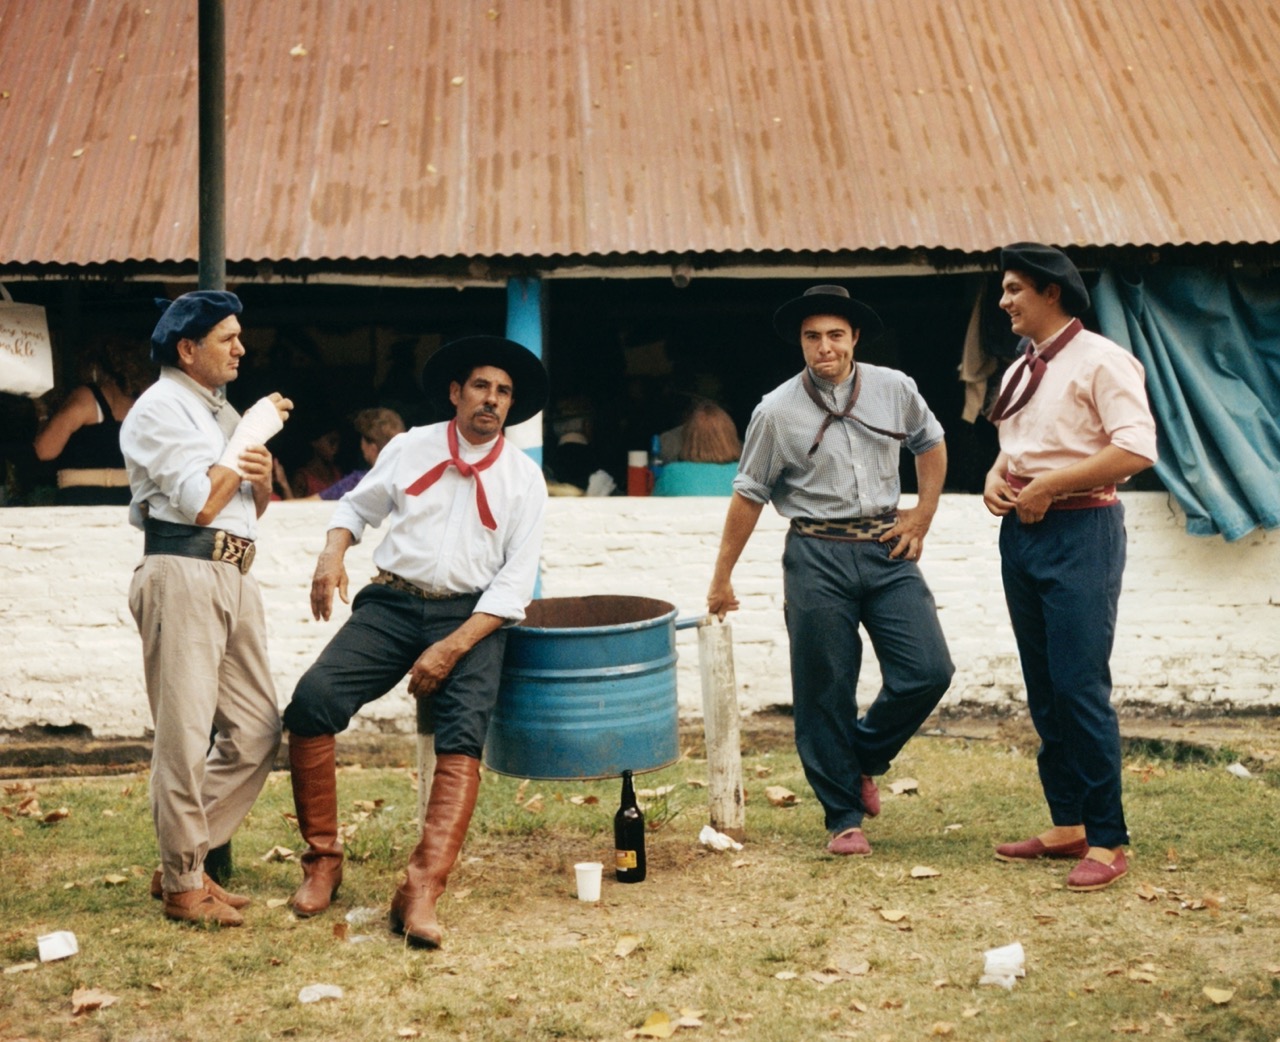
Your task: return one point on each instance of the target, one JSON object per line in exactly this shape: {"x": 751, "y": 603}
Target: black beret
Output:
{"x": 826, "y": 300}
{"x": 189, "y": 317}
{"x": 453, "y": 362}
{"x": 1048, "y": 265}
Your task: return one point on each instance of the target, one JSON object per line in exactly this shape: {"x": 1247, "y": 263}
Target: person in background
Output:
{"x": 708, "y": 459}
{"x": 824, "y": 447}
{"x": 322, "y": 469}
{"x": 84, "y": 434}
{"x": 201, "y": 477}
{"x": 465, "y": 512}
{"x": 376, "y": 427}
{"x": 1074, "y": 421}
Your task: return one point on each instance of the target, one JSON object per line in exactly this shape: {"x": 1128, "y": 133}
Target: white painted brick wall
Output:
{"x": 1198, "y": 619}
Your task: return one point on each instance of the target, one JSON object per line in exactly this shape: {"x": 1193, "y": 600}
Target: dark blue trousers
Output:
{"x": 831, "y": 588}
{"x": 1062, "y": 584}
{"x": 375, "y": 648}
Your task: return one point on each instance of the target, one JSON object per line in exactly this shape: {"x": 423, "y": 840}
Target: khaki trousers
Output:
{"x": 204, "y": 653}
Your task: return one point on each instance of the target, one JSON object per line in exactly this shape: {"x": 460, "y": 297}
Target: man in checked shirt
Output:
{"x": 824, "y": 447}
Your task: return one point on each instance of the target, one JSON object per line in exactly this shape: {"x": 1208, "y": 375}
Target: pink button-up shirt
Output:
{"x": 1093, "y": 395}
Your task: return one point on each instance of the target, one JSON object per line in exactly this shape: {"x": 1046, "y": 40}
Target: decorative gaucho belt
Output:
{"x": 204, "y": 544}
{"x": 398, "y": 582}
{"x": 1102, "y": 496}
{"x": 845, "y": 530}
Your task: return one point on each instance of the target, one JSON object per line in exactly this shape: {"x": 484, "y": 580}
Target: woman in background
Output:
{"x": 708, "y": 460}
{"x": 84, "y": 434}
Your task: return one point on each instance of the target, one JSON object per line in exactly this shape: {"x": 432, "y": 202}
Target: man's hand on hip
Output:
{"x": 913, "y": 524}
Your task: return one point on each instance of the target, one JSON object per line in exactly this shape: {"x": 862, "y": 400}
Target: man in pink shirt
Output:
{"x": 1073, "y": 420}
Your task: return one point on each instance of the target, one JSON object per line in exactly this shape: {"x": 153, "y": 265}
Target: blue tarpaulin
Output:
{"x": 1210, "y": 343}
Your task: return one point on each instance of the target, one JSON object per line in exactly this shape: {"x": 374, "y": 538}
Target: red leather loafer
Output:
{"x": 1033, "y": 848}
{"x": 870, "y": 796}
{"x": 849, "y": 842}
{"x": 1094, "y": 875}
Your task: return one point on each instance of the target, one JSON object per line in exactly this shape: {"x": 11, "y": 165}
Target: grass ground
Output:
{"x": 777, "y": 941}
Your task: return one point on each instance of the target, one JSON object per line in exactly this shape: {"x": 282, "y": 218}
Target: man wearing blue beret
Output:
{"x": 200, "y": 475}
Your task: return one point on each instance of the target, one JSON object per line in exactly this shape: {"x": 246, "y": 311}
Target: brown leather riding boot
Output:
{"x": 313, "y": 770}
{"x": 454, "y": 787}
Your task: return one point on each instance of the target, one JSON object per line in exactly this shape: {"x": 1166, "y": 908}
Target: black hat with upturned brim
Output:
{"x": 1048, "y": 265}
{"x": 455, "y": 360}
{"x": 826, "y": 300}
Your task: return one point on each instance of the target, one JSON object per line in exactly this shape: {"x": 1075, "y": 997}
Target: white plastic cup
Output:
{"x": 588, "y": 874}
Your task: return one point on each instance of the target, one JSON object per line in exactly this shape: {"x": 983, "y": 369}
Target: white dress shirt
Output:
{"x": 170, "y": 439}
{"x": 436, "y": 538}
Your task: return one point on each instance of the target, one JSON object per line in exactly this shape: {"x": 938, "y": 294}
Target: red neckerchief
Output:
{"x": 467, "y": 470}
{"x": 1037, "y": 364}
{"x": 807, "y": 381}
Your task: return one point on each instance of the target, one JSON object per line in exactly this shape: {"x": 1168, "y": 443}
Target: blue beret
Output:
{"x": 189, "y": 317}
{"x": 1048, "y": 265}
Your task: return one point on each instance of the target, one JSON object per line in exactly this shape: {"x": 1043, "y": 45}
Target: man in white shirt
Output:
{"x": 200, "y": 476}
{"x": 458, "y": 563}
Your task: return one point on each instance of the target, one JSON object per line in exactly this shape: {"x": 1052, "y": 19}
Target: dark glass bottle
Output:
{"x": 628, "y": 835}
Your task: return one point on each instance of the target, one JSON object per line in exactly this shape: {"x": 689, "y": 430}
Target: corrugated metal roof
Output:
{"x": 438, "y": 128}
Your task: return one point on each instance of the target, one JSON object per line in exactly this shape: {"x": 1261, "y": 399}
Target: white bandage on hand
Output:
{"x": 256, "y": 426}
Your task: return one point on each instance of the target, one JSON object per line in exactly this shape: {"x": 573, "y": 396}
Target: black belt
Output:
{"x": 204, "y": 544}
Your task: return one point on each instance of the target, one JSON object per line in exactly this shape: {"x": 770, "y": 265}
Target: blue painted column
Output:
{"x": 524, "y": 326}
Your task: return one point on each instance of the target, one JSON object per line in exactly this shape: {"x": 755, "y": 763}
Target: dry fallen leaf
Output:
{"x": 584, "y": 801}
{"x": 115, "y": 880}
{"x": 656, "y": 1025}
{"x": 54, "y": 816}
{"x": 536, "y": 804}
{"x": 278, "y": 854}
{"x": 763, "y": 772}
{"x": 86, "y": 1000}
{"x": 340, "y": 931}
{"x": 408, "y": 1033}
{"x": 942, "y": 1028}
{"x": 924, "y": 872}
{"x": 825, "y": 977}
{"x": 858, "y": 1006}
{"x": 627, "y": 943}
{"x": 780, "y": 796}
{"x": 786, "y": 975}
{"x": 1142, "y": 976}
{"x": 521, "y": 789}
{"x": 297, "y": 51}
{"x": 892, "y": 915}
{"x": 21, "y": 967}
{"x": 1219, "y": 996}
{"x": 277, "y": 902}
{"x": 904, "y": 785}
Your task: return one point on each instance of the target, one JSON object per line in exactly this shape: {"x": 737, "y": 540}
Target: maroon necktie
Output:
{"x": 467, "y": 470}
{"x": 807, "y": 381}
{"x": 1036, "y": 364}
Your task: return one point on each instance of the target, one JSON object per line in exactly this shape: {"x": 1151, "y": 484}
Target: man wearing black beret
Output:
{"x": 824, "y": 448}
{"x": 200, "y": 477}
{"x": 464, "y": 511}
{"x": 1074, "y": 421}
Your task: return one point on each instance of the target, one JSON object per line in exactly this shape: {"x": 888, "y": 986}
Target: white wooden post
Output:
{"x": 720, "y": 722}
{"x": 426, "y": 757}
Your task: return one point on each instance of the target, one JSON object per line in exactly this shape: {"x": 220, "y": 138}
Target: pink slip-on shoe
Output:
{"x": 1094, "y": 875}
{"x": 1033, "y": 848}
{"x": 849, "y": 842}
{"x": 870, "y": 796}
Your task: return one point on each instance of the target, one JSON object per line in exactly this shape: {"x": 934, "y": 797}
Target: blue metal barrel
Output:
{"x": 588, "y": 689}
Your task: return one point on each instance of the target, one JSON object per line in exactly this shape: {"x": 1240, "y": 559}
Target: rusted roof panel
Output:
{"x": 541, "y": 128}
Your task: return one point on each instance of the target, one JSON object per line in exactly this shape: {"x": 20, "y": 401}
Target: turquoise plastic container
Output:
{"x": 588, "y": 690}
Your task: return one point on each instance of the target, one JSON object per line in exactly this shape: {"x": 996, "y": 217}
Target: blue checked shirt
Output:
{"x": 854, "y": 473}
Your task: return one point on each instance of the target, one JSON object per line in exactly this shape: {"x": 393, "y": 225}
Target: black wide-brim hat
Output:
{"x": 455, "y": 360}
{"x": 826, "y": 300}
{"x": 1048, "y": 265}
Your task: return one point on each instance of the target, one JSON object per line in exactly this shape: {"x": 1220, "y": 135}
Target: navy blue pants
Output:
{"x": 1062, "y": 584}
{"x": 376, "y": 647}
{"x": 831, "y": 588}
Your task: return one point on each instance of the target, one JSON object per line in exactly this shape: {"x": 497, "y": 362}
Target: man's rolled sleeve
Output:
{"x": 512, "y": 588}
{"x": 760, "y": 465}
{"x": 175, "y": 456}
{"x": 1121, "y": 394}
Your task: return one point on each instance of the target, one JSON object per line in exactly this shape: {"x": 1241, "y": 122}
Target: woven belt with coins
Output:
{"x": 398, "y": 582}
{"x": 842, "y": 530}
{"x": 204, "y": 544}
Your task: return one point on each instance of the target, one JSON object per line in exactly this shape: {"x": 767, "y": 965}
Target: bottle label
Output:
{"x": 625, "y": 859}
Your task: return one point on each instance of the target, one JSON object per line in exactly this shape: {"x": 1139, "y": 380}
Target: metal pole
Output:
{"x": 213, "y": 145}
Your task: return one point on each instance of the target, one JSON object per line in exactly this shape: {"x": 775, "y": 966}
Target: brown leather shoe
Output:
{"x": 454, "y": 787}
{"x": 200, "y": 906}
{"x": 1034, "y": 848}
{"x": 313, "y": 774}
{"x": 236, "y": 901}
